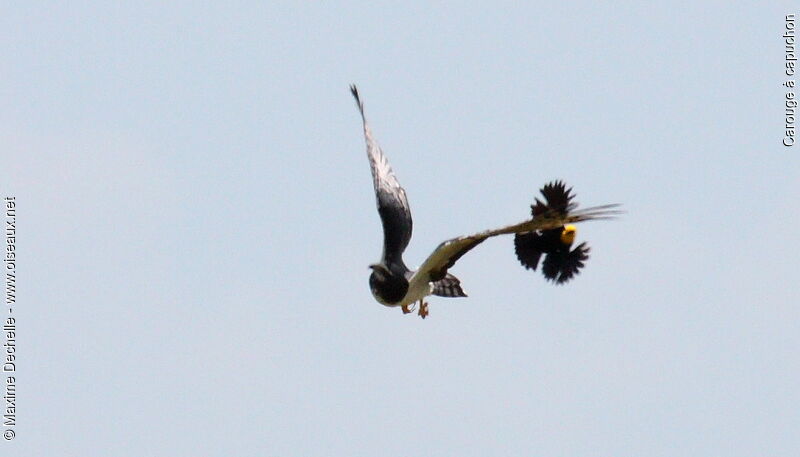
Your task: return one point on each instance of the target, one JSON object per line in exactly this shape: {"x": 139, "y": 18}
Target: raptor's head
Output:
{"x": 568, "y": 234}
{"x": 380, "y": 273}
{"x": 387, "y": 288}
{"x": 380, "y": 269}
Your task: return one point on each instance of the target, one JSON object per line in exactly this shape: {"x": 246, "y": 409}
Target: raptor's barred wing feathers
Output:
{"x": 390, "y": 196}
{"x": 449, "y": 286}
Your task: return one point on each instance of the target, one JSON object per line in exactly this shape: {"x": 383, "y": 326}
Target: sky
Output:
{"x": 195, "y": 218}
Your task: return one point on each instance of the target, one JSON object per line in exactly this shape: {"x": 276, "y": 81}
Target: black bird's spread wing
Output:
{"x": 557, "y": 198}
{"x": 391, "y": 197}
{"x": 560, "y": 267}
{"x": 528, "y": 247}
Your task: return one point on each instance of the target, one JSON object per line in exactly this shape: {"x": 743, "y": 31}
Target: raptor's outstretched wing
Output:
{"x": 391, "y": 197}
{"x": 447, "y": 254}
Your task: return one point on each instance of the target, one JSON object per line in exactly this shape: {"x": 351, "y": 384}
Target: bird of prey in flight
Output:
{"x": 549, "y": 231}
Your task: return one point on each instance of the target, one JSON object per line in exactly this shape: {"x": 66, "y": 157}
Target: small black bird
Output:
{"x": 560, "y": 263}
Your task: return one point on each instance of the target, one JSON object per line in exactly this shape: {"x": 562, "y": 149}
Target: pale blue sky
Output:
{"x": 196, "y": 217}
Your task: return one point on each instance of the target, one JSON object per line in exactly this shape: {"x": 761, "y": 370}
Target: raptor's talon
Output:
{"x": 423, "y": 309}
